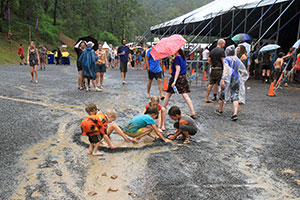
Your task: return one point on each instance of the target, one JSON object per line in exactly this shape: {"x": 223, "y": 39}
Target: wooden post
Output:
{"x": 29, "y": 29}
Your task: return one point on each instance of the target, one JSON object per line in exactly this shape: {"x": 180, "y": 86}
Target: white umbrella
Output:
{"x": 297, "y": 44}
{"x": 269, "y": 47}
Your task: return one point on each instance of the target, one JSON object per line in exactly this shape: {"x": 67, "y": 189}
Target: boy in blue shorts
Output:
{"x": 143, "y": 125}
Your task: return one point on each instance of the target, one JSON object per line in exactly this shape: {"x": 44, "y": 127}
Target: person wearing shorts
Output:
{"x": 184, "y": 125}
{"x": 143, "y": 125}
{"x": 179, "y": 80}
{"x": 43, "y": 54}
{"x": 101, "y": 64}
{"x": 154, "y": 71}
{"x": 79, "y": 50}
{"x": 124, "y": 53}
{"x": 230, "y": 81}
{"x": 33, "y": 61}
{"x": 266, "y": 67}
{"x": 21, "y": 54}
{"x": 216, "y": 58}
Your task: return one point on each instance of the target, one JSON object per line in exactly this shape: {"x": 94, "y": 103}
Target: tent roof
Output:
{"x": 214, "y": 8}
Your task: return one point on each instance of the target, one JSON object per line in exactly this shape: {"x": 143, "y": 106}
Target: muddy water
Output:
{"x": 41, "y": 161}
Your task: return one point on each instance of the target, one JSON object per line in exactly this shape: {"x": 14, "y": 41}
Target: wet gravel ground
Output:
{"x": 43, "y": 156}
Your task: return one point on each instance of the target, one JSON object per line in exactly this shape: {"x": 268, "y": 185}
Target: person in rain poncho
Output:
{"x": 242, "y": 55}
{"x": 233, "y": 72}
{"x": 88, "y": 60}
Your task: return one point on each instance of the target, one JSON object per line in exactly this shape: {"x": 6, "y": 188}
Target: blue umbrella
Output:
{"x": 269, "y": 47}
{"x": 297, "y": 44}
{"x": 242, "y": 37}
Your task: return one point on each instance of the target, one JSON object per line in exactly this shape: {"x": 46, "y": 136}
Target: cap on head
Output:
{"x": 90, "y": 43}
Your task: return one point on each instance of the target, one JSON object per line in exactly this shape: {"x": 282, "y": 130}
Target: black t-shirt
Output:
{"x": 215, "y": 55}
{"x": 266, "y": 59}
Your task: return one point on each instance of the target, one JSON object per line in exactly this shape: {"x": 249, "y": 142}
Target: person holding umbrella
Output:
{"x": 124, "y": 53}
{"x": 179, "y": 80}
{"x": 88, "y": 60}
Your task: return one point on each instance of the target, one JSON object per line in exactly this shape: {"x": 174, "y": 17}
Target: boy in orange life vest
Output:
{"x": 95, "y": 126}
{"x": 185, "y": 125}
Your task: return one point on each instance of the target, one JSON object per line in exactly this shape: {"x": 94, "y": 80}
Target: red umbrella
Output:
{"x": 167, "y": 46}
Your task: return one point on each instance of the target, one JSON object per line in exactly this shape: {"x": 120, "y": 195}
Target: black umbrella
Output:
{"x": 227, "y": 40}
{"x": 88, "y": 39}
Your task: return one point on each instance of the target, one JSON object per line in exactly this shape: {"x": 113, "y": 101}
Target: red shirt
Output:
{"x": 20, "y": 51}
{"x": 159, "y": 107}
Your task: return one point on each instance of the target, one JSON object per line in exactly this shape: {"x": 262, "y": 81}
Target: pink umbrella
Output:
{"x": 167, "y": 46}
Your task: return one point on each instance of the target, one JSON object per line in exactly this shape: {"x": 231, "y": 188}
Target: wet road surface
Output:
{"x": 43, "y": 155}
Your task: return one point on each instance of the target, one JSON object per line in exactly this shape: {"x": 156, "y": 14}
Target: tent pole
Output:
{"x": 298, "y": 35}
{"x": 210, "y": 28}
{"x": 221, "y": 26}
{"x": 245, "y": 24}
{"x": 232, "y": 25}
{"x": 292, "y": 1}
{"x": 260, "y": 24}
{"x": 278, "y": 25}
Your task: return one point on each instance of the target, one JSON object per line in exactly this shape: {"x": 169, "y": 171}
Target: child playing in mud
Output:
{"x": 185, "y": 125}
{"x": 154, "y": 102}
{"x": 143, "y": 125}
{"x": 95, "y": 126}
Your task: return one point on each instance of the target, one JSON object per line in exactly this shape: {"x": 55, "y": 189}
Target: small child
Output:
{"x": 185, "y": 125}
{"x": 143, "y": 125}
{"x": 154, "y": 102}
{"x": 95, "y": 126}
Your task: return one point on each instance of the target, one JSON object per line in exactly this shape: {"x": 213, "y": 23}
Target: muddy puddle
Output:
{"x": 59, "y": 167}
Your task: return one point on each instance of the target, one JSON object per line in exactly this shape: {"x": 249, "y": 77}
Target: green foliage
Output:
{"x": 105, "y": 36}
{"x": 107, "y": 20}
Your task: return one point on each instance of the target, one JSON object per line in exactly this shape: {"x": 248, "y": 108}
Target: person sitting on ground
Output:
{"x": 95, "y": 126}
{"x": 154, "y": 102}
{"x": 143, "y": 125}
{"x": 185, "y": 125}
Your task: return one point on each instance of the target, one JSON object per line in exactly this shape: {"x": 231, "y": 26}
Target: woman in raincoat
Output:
{"x": 88, "y": 60}
{"x": 242, "y": 55}
{"x": 233, "y": 72}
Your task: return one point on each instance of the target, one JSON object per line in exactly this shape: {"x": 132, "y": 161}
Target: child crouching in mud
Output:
{"x": 95, "y": 126}
{"x": 185, "y": 125}
{"x": 143, "y": 125}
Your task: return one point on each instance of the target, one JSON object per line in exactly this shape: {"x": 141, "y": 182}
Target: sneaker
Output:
{"x": 98, "y": 89}
{"x": 218, "y": 112}
{"x": 87, "y": 89}
{"x": 234, "y": 117}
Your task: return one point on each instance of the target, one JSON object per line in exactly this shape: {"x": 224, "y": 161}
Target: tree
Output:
{"x": 54, "y": 13}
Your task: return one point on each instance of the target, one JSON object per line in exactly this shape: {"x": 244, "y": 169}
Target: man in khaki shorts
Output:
{"x": 216, "y": 58}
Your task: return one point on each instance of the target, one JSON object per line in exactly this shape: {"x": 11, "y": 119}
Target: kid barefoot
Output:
{"x": 135, "y": 141}
{"x": 89, "y": 152}
{"x": 97, "y": 153}
{"x": 171, "y": 137}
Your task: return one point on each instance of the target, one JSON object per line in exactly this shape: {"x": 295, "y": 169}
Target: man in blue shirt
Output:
{"x": 124, "y": 53}
{"x": 154, "y": 71}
